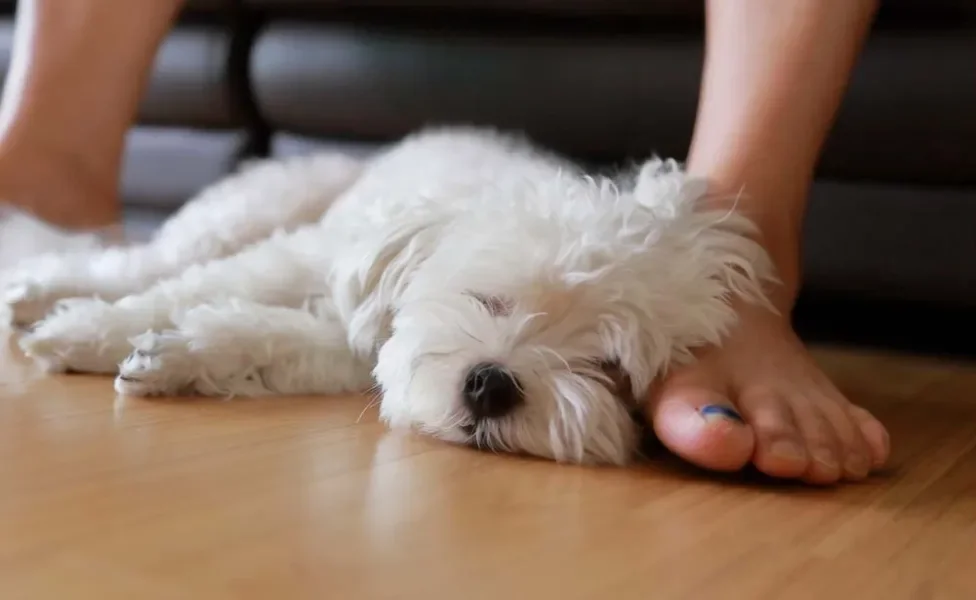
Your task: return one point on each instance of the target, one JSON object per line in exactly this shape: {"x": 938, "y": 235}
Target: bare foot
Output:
{"x": 58, "y": 189}
{"x": 760, "y": 398}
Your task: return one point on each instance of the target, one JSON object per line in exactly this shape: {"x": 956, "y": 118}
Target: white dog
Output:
{"x": 497, "y": 295}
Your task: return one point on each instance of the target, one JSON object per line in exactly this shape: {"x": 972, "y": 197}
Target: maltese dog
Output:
{"x": 496, "y": 295}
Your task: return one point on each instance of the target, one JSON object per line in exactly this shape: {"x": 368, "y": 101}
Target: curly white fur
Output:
{"x": 453, "y": 248}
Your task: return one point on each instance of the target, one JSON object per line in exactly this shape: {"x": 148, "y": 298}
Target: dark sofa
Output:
{"x": 892, "y": 216}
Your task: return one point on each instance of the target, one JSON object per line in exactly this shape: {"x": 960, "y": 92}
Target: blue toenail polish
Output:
{"x": 717, "y": 411}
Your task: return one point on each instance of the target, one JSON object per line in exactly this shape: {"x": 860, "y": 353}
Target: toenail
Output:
{"x": 825, "y": 458}
{"x": 712, "y": 412}
{"x": 788, "y": 449}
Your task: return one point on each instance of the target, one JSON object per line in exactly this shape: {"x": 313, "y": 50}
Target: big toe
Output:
{"x": 697, "y": 422}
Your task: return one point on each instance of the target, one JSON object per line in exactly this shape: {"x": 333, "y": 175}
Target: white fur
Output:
{"x": 454, "y": 247}
{"x": 219, "y": 222}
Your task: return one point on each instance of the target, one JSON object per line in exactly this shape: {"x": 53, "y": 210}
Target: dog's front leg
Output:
{"x": 239, "y": 348}
{"x": 92, "y": 336}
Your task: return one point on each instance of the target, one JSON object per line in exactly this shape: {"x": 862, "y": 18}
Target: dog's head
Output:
{"x": 538, "y": 326}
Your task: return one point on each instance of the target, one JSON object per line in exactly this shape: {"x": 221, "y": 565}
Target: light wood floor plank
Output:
{"x": 312, "y": 498}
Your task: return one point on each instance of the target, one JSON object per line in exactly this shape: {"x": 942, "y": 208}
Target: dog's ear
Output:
{"x": 382, "y": 271}
{"x": 637, "y": 354}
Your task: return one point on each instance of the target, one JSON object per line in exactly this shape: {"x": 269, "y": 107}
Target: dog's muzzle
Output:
{"x": 491, "y": 391}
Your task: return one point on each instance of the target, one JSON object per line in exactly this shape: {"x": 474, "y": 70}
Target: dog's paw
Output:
{"x": 160, "y": 365}
{"x": 45, "y": 352}
{"x": 32, "y": 289}
{"x": 174, "y": 363}
{"x": 80, "y": 335}
{"x": 27, "y": 301}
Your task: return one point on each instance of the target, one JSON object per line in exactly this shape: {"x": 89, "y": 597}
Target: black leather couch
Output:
{"x": 893, "y": 214}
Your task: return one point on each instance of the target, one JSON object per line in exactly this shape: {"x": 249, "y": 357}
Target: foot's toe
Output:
{"x": 823, "y": 447}
{"x": 780, "y": 447}
{"x": 698, "y": 423}
{"x": 875, "y": 435}
{"x": 854, "y": 453}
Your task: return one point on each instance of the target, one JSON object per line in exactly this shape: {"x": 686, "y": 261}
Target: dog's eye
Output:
{"x": 497, "y": 306}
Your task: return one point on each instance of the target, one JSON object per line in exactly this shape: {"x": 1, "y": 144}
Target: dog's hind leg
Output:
{"x": 224, "y": 218}
{"x": 92, "y": 336}
{"x": 239, "y": 348}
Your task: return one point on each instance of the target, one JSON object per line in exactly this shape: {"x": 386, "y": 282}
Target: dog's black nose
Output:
{"x": 491, "y": 391}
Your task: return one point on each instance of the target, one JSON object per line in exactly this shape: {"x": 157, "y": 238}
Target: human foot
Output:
{"x": 760, "y": 398}
{"x": 59, "y": 189}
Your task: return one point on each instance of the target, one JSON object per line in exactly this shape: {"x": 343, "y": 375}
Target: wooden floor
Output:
{"x": 302, "y": 498}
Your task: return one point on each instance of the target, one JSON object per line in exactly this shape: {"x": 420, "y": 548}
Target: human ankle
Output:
{"x": 59, "y": 187}
{"x": 775, "y": 208}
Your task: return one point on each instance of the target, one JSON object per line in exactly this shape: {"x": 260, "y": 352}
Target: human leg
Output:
{"x": 78, "y": 70}
{"x": 775, "y": 73}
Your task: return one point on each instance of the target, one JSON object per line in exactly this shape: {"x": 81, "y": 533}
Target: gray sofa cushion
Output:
{"x": 599, "y": 96}
{"x": 164, "y": 167}
{"x": 892, "y": 243}
{"x": 590, "y": 8}
{"x": 892, "y": 11}
{"x": 908, "y": 117}
{"x": 189, "y": 84}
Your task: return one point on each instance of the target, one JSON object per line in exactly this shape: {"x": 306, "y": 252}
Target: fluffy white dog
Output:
{"x": 497, "y": 295}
